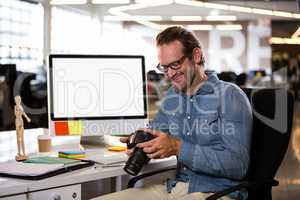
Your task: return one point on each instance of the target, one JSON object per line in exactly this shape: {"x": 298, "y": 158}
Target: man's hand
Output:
{"x": 162, "y": 146}
{"x": 129, "y": 152}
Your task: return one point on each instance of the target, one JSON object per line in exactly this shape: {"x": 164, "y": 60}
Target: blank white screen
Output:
{"x": 97, "y": 87}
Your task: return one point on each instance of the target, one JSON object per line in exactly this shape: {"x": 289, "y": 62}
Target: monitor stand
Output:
{"x": 95, "y": 140}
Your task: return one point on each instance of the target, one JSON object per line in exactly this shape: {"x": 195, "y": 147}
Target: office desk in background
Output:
{"x": 73, "y": 185}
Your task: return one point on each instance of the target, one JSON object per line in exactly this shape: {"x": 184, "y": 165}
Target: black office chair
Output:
{"x": 34, "y": 97}
{"x": 241, "y": 79}
{"x": 268, "y": 146}
{"x": 7, "y": 118}
{"x": 228, "y": 76}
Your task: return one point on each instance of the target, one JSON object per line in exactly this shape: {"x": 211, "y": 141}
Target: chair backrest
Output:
{"x": 228, "y": 76}
{"x": 272, "y": 126}
{"x": 9, "y": 71}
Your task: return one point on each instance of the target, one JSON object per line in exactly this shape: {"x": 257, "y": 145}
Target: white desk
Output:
{"x": 69, "y": 182}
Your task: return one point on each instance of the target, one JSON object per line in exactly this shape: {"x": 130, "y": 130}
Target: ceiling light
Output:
{"x": 292, "y": 40}
{"x": 279, "y": 40}
{"x": 240, "y": 9}
{"x": 262, "y": 11}
{"x": 186, "y": 18}
{"x": 295, "y": 15}
{"x": 288, "y": 40}
{"x": 221, "y": 18}
{"x": 118, "y": 10}
{"x": 297, "y": 33}
{"x": 216, "y": 6}
{"x": 282, "y": 14}
{"x": 154, "y": 3}
{"x": 110, "y": 1}
{"x": 190, "y": 3}
{"x": 233, "y": 27}
{"x": 67, "y": 2}
{"x": 133, "y": 18}
{"x": 276, "y": 40}
{"x": 151, "y": 25}
{"x": 139, "y": 6}
{"x": 200, "y": 27}
{"x": 161, "y": 26}
{"x": 151, "y": 1}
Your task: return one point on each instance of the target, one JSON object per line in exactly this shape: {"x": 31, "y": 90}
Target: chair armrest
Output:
{"x": 133, "y": 180}
{"x": 242, "y": 185}
{"x": 228, "y": 191}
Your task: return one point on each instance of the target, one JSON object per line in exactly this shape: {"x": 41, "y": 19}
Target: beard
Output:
{"x": 189, "y": 76}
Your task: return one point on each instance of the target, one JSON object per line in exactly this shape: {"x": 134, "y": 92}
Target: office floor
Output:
{"x": 289, "y": 171}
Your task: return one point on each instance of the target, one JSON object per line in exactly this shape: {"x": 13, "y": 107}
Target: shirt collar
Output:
{"x": 209, "y": 85}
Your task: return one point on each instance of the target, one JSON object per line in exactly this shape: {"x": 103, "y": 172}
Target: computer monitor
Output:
{"x": 105, "y": 93}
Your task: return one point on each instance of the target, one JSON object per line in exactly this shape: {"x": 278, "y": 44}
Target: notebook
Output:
{"x": 51, "y": 160}
{"x": 28, "y": 169}
{"x": 37, "y": 171}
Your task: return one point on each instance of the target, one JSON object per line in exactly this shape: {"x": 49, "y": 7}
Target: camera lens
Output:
{"x": 136, "y": 162}
{"x": 139, "y": 158}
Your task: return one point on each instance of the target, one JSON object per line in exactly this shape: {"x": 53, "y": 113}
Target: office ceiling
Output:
{"x": 166, "y": 11}
{"x": 175, "y": 9}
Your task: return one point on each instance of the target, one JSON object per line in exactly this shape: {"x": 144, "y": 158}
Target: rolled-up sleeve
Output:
{"x": 230, "y": 157}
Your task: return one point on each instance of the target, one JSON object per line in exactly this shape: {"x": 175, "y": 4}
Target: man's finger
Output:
{"x": 155, "y": 155}
{"x": 124, "y": 139}
{"x": 152, "y": 132}
{"x": 129, "y": 152}
{"x": 146, "y": 144}
{"x": 149, "y": 150}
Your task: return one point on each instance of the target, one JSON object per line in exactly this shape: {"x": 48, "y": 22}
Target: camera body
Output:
{"x": 139, "y": 158}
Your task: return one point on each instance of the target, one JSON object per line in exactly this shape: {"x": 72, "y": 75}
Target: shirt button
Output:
{"x": 205, "y": 121}
{"x": 191, "y": 100}
{"x": 188, "y": 133}
{"x": 189, "y": 117}
{"x": 184, "y": 168}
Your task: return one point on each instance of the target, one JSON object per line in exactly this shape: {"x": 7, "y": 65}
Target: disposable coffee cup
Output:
{"x": 44, "y": 143}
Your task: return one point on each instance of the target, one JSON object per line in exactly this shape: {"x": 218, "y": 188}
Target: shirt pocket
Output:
{"x": 207, "y": 129}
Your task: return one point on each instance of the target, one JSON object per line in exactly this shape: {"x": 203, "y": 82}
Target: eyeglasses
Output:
{"x": 174, "y": 65}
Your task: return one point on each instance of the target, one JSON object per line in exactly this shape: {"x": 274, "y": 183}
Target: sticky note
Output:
{"x": 117, "y": 148}
{"x": 75, "y": 127}
{"x": 61, "y": 128}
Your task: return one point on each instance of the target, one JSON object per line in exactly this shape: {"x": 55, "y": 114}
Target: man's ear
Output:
{"x": 197, "y": 55}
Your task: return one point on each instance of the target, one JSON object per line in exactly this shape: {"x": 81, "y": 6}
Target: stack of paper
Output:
{"x": 108, "y": 159}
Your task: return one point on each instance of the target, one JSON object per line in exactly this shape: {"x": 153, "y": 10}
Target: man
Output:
{"x": 205, "y": 122}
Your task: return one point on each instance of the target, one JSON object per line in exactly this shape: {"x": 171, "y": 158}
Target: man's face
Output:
{"x": 170, "y": 53}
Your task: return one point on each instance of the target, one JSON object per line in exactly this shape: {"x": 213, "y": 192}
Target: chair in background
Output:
{"x": 268, "y": 146}
{"x": 228, "y": 76}
{"x": 34, "y": 96}
{"x": 241, "y": 79}
{"x": 8, "y": 74}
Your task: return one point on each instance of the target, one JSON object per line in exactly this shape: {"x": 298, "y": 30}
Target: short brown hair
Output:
{"x": 187, "y": 39}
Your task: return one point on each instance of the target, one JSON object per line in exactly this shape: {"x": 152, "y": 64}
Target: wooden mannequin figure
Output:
{"x": 19, "y": 112}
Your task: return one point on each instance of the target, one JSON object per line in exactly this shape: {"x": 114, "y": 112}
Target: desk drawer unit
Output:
{"x": 64, "y": 193}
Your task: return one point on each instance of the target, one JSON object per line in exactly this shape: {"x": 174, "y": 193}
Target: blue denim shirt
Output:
{"x": 214, "y": 127}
